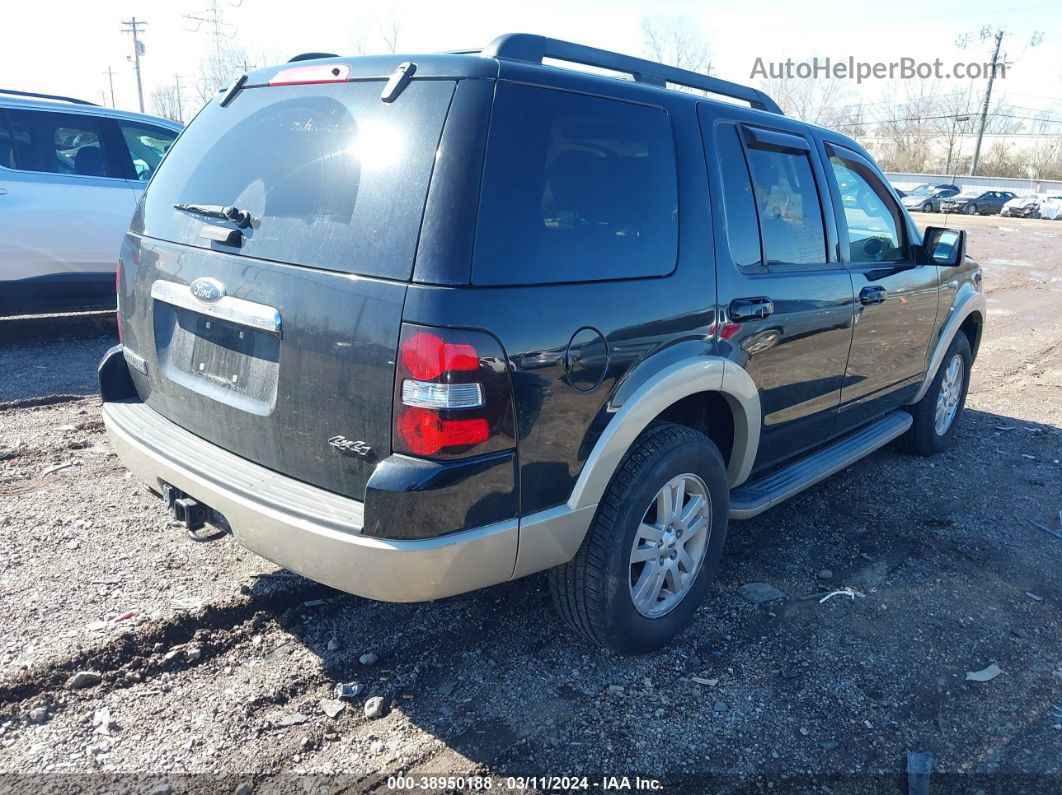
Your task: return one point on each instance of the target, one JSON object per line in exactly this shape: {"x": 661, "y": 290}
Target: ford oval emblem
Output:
{"x": 207, "y": 290}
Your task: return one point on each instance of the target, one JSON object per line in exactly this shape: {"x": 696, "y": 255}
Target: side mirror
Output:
{"x": 945, "y": 246}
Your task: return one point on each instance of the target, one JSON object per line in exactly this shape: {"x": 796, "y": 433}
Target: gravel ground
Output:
{"x": 212, "y": 661}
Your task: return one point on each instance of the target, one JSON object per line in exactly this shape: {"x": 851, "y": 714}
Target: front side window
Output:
{"x": 872, "y": 218}
{"x": 56, "y": 143}
{"x": 789, "y": 207}
{"x": 147, "y": 145}
{"x": 575, "y": 188}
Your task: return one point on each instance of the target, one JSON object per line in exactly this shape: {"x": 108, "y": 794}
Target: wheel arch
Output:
{"x": 686, "y": 391}
{"x": 967, "y": 313}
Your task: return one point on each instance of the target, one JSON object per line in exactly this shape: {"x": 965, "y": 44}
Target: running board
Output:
{"x": 757, "y": 496}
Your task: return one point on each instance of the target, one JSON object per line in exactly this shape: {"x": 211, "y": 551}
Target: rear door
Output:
{"x": 64, "y": 208}
{"x": 896, "y": 298}
{"x": 787, "y": 300}
{"x": 271, "y": 338}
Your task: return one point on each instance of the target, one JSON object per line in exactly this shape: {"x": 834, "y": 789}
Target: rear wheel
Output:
{"x": 927, "y": 207}
{"x": 937, "y": 414}
{"x": 653, "y": 547}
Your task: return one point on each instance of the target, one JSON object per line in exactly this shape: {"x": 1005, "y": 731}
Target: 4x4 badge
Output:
{"x": 345, "y": 445}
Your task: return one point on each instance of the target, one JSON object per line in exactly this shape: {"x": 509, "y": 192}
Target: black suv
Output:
{"x": 416, "y": 325}
{"x": 974, "y": 201}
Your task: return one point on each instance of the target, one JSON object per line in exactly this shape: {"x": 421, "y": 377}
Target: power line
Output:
{"x": 1047, "y": 120}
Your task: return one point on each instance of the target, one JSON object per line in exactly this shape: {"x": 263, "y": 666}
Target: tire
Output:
{"x": 927, "y": 207}
{"x": 594, "y": 593}
{"x": 971, "y": 209}
{"x": 925, "y": 436}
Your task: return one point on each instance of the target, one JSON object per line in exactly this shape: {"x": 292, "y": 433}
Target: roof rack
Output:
{"x": 46, "y": 96}
{"x": 534, "y": 49}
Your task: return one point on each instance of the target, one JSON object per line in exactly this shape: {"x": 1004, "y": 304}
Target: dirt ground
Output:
{"x": 217, "y": 670}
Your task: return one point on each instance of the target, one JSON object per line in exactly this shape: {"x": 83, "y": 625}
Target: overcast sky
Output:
{"x": 66, "y": 46}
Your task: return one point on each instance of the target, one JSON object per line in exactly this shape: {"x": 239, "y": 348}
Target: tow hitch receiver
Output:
{"x": 193, "y": 514}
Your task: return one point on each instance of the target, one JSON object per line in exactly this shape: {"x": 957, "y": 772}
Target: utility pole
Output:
{"x": 135, "y": 27}
{"x": 177, "y": 89}
{"x": 110, "y": 79}
{"x": 984, "y": 107}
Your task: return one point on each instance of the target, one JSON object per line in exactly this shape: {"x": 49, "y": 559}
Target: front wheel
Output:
{"x": 653, "y": 547}
{"x": 971, "y": 209}
{"x": 937, "y": 414}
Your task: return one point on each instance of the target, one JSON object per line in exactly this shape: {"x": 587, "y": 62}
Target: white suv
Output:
{"x": 71, "y": 174}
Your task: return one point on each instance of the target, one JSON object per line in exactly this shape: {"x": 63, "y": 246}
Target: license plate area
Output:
{"x": 228, "y": 362}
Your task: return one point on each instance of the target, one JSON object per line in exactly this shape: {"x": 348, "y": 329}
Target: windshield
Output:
{"x": 330, "y": 176}
{"x": 969, "y": 194}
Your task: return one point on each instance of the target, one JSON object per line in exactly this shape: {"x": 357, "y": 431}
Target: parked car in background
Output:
{"x": 1051, "y": 208}
{"x": 570, "y": 322}
{"x": 926, "y": 198}
{"x": 71, "y": 174}
{"x": 1027, "y": 206}
{"x": 975, "y": 201}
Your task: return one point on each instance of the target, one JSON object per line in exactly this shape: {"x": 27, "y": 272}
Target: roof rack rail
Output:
{"x": 311, "y": 56}
{"x": 47, "y": 96}
{"x": 534, "y": 49}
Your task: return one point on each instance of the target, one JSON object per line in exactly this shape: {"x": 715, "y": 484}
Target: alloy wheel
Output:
{"x": 669, "y": 545}
{"x": 949, "y": 396}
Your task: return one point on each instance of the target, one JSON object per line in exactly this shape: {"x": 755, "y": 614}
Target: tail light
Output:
{"x": 118, "y": 298}
{"x": 452, "y": 394}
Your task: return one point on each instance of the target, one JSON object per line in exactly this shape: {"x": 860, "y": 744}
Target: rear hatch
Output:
{"x": 275, "y": 337}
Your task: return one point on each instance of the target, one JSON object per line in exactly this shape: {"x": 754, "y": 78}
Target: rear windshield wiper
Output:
{"x": 241, "y": 218}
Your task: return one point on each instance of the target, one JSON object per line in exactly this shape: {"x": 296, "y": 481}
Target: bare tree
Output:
{"x": 219, "y": 68}
{"x": 908, "y": 128}
{"x": 999, "y": 161}
{"x": 1043, "y": 160}
{"x": 677, "y": 41}
{"x": 389, "y": 33}
{"x": 956, "y": 112}
{"x": 166, "y": 103}
{"x": 825, "y": 102}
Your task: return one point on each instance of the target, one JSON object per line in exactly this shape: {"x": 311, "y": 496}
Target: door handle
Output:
{"x": 872, "y": 295}
{"x": 750, "y": 308}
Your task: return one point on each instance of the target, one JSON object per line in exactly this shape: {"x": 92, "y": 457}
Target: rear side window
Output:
{"x": 575, "y": 188}
{"x": 56, "y": 143}
{"x": 739, "y": 204}
{"x": 790, "y": 212}
{"x": 332, "y": 177}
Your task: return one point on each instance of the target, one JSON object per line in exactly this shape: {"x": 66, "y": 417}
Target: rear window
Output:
{"x": 575, "y": 188}
{"x": 333, "y": 177}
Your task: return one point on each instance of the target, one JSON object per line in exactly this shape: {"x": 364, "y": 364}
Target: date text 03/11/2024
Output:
{"x": 525, "y": 783}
